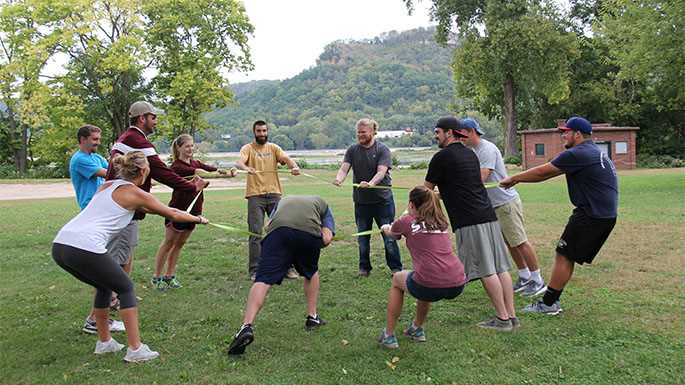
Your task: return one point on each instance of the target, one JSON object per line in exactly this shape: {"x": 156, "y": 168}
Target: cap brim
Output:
{"x": 564, "y": 129}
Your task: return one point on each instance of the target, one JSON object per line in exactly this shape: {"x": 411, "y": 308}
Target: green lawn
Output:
{"x": 623, "y": 322}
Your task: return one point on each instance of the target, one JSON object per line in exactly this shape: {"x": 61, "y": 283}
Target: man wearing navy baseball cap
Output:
{"x": 593, "y": 190}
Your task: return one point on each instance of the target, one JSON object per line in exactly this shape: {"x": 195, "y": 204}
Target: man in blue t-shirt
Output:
{"x": 86, "y": 167}
{"x": 593, "y": 189}
{"x": 87, "y": 170}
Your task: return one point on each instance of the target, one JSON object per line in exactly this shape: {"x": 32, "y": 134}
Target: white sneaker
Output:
{"x": 116, "y": 326}
{"x": 111, "y": 346}
{"x": 142, "y": 354}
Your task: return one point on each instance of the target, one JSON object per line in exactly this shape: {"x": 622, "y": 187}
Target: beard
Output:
{"x": 261, "y": 139}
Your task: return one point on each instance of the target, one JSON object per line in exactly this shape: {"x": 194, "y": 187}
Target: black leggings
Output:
{"x": 99, "y": 271}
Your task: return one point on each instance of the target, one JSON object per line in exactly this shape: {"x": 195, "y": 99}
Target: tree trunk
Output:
{"x": 509, "y": 112}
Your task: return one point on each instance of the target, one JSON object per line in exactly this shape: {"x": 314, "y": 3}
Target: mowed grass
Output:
{"x": 623, "y": 322}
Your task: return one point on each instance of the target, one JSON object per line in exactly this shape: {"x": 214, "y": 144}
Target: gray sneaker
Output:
{"x": 496, "y": 324}
{"x": 534, "y": 289}
{"x": 541, "y": 308}
{"x": 521, "y": 284}
{"x": 144, "y": 353}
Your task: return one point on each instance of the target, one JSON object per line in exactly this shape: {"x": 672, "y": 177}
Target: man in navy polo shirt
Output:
{"x": 593, "y": 189}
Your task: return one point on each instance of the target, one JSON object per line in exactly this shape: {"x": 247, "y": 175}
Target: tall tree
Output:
{"x": 107, "y": 59}
{"x": 509, "y": 53}
{"x": 195, "y": 43}
{"x": 647, "y": 42}
{"x": 30, "y": 32}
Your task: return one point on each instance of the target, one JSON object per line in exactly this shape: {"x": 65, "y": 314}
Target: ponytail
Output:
{"x": 177, "y": 144}
{"x": 428, "y": 208}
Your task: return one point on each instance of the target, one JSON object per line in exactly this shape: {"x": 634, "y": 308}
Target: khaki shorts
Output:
{"x": 510, "y": 217}
{"x": 121, "y": 245}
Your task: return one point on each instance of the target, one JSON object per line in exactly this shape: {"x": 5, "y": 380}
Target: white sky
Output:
{"x": 290, "y": 35}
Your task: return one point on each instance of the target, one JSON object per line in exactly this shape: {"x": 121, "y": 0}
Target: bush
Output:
{"x": 659, "y": 161}
{"x": 52, "y": 171}
{"x": 8, "y": 171}
{"x": 419, "y": 165}
{"x": 513, "y": 159}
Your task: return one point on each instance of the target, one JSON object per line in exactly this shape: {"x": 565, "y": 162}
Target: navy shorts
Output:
{"x": 180, "y": 226}
{"x": 431, "y": 294}
{"x": 584, "y": 236}
{"x": 285, "y": 247}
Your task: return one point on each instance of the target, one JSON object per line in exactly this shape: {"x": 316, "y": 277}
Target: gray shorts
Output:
{"x": 121, "y": 246}
{"x": 482, "y": 250}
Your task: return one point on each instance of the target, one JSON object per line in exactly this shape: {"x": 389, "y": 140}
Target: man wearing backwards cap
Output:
{"x": 143, "y": 120}
{"x": 508, "y": 208}
{"x": 456, "y": 171}
{"x": 593, "y": 189}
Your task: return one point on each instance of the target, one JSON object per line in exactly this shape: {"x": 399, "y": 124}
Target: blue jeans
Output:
{"x": 382, "y": 213}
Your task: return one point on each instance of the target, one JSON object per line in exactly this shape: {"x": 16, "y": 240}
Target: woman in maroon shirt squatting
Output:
{"x": 438, "y": 273}
{"x": 177, "y": 233}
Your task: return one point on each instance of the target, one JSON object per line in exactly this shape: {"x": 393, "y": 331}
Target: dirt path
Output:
{"x": 10, "y": 192}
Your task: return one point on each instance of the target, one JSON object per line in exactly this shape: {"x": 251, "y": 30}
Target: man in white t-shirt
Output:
{"x": 508, "y": 209}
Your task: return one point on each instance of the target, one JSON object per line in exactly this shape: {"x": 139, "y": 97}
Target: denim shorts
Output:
{"x": 431, "y": 294}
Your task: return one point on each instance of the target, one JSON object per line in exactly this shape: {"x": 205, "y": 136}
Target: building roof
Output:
{"x": 595, "y": 128}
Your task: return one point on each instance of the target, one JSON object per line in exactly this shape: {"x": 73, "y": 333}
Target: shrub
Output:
{"x": 513, "y": 159}
{"x": 659, "y": 161}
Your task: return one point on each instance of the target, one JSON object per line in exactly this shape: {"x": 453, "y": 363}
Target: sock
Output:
{"x": 502, "y": 319}
{"x": 524, "y": 273}
{"x": 315, "y": 316}
{"x": 551, "y": 296}
{"x": 535, "y": 276}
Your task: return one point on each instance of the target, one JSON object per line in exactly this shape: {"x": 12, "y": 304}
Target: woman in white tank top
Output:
{"x": 80, "y": 248}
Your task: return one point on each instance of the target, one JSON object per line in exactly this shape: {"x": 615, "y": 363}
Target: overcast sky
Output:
{"x": 290, "y": 35}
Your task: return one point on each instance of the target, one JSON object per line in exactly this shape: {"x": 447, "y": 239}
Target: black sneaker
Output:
{"x": 244, "y": 337}
{"x": 313, "y": 322}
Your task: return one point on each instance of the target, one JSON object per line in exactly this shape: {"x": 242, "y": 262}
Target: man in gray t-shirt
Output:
{"x": 508, "y": 208}
{"x": 370, "y": 162}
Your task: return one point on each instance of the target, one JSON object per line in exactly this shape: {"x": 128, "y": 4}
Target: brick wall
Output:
{"x": 553, "y": 145}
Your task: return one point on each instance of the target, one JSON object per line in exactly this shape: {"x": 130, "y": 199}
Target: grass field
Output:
{"x": 623, "y": 322}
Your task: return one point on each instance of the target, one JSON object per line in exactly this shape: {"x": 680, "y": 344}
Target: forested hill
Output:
{"x": 402, "y": 80}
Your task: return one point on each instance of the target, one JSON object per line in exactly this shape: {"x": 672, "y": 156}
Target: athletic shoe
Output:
{"x": 515, "y": 323}
{"x": 363, "y": 273}
{"x": 159, "y": 283}
{"x": 521, "y": 284}
{"x": 496, "y": 324}
{"x": 114, "y": 326}
{"x": 415, "y": 333}
{"x": 172, "y": 282}
{"x": 244, "y": 337}
{"x": 540, "y": 308}
{"x": 114, "y": 304}
{"x": 292, "y": 274}
{"x": 142, "y": 354}
{"x": 387, "y": 341}
{"x": 312, "y": 323}
{"x": 111, "y": 346}
{"x": 534, "y": 289}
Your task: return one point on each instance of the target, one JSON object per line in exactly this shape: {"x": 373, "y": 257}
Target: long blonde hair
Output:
{"x": 428, "y": 208}
{"x": 177, "y": 144}
{"x": 129, "y": 166}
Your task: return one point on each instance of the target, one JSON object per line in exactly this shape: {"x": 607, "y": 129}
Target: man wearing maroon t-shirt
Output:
{"x": 143, "y": 120}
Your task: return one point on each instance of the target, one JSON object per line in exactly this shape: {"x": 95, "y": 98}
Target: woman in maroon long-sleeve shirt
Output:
{"x": 177, "y": 233}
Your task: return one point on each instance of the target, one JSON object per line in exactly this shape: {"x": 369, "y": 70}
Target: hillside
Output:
{"x": 400, "y": 79}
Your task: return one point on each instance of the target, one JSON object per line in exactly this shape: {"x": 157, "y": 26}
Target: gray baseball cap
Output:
{"x": 141, "y": 108}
